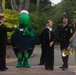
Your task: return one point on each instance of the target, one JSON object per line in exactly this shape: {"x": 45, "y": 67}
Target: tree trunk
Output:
{"x": 1, "y": 9}
{"x": 14, "y": 5}
{"x": 26, "y": 5}
{"x": 20, "y": 5}
{"x": 38, "y": 2}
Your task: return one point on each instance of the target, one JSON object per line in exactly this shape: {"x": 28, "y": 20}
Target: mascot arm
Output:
{"x": 28, "y": 33}
{"x": 16, "y": 29}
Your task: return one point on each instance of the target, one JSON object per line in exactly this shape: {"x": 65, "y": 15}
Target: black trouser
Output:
{"x": 49, "y": 59}
{"x": 2, "y": 56}
{"x": 64, "y": 59}
{"x": 42, "y": 58}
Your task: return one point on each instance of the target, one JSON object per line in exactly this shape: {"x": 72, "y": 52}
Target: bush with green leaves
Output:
{"x": 37, "y": 22}
{"x": 11, "y": 20}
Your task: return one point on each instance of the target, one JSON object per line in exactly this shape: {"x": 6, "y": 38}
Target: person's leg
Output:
{"x": 51, "y": 58}
{"x": 47, "y": 58}
{"x": 3, "y": 56}
{"x": 2, "y": 59}
{"x": 42, "y": 58}
{"x": 46, "y": 62}
{"x": 19, "y": 61}
{"x": 75, "y": 55}
{"x": 65, "y": 61}
{"x": 25, "y": 62}
{"x": 75, "y": 59}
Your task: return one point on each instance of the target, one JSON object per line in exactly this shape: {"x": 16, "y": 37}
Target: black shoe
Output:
{"x": 51, "y": 69}
{"x": 40, "y": 64}
{"x": 61, "y": 67}
{"x": 64, "y": 68}
{"x": 6, "y": 68}
{"x": 2, "y": 69}
{"x": 47, "y": 68}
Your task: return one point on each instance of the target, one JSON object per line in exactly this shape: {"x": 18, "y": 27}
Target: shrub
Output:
{"x": 11, "y": 20}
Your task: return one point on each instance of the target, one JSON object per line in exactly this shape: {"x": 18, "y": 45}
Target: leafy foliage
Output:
{"x": 11, "y": 20}
{"x": 67, "y": 8}
{"x": 36, "y": 21}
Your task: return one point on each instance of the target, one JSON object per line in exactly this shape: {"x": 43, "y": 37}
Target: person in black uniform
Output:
{"x": 42, "y": 44}
{"x": 65, "y": 32}
{"x": 49, "y": 39}
{"x": 3, "y": 40}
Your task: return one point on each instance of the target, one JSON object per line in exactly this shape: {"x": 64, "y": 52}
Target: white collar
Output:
{"x": 64, "y": 24}
{"x": 50, "y": 28}
{"x": 0, "y": 24}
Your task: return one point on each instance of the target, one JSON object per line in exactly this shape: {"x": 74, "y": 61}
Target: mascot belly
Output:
{"x": 22, "y": 43}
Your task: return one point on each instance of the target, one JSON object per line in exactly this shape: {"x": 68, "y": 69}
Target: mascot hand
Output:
{"x": 27, "y": 33}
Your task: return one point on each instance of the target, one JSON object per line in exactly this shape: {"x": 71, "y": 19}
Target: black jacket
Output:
{"x": 65, "y": 34}
{"x": 3, "y": 33}
{"x": 48, "y": 36}
{"x": 42, "y": 37}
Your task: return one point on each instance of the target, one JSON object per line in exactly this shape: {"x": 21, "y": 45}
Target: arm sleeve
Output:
{"x": 71, "y": 31}
{"x": 53, "y": 36}
{"x": 9, "y": 29}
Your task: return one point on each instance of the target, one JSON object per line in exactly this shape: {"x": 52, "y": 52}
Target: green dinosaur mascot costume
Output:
{"x": 23, "y": 40}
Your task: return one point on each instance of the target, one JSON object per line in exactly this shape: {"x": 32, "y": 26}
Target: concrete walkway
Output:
{"x": 35, "y": 68}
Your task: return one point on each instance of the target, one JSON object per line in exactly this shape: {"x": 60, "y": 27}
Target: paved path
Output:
{"x": 35, "y": 68}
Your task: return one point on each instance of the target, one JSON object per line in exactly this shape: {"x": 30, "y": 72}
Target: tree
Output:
{"x": 23, "y": 4}
{"x": 38, "y": 2}
{"x": 20, "y": 5}
{"x": 68, "y": 7}
{"x": 27, "y": 3}
{"x": 34, "y": 5}
{"x": 45, "y": 6}
{"x": 8, "y": 4}
{"x": 14, "y": 5}
{"x": 1, "y": 9}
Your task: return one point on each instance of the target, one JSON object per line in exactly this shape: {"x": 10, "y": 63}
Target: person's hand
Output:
{"x": 70, "y": 39}
{"x": 40, "y": 45}
{"x": 15, "y": 26}
{"x": 51, "y": 43}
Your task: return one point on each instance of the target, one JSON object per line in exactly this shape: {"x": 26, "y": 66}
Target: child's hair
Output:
{"x": 2, "y": 16}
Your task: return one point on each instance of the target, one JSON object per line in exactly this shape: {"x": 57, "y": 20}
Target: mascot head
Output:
{"x": 24, "y": 18}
